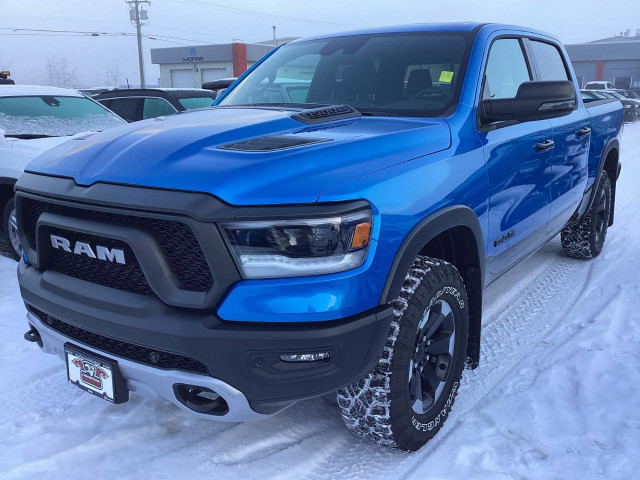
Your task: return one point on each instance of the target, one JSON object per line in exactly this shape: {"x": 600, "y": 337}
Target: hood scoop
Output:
{"x": 326, "y": 114}
{"x": 272, "y": 143}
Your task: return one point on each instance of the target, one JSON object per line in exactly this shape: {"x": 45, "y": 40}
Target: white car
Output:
{"x": 599, "y": 85}
{"x": 34, "y": 119}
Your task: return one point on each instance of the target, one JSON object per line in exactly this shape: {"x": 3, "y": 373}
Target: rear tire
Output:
{"x": 403, "y": 403}
{"x": 585, "y": 239}
{"x": 10, "y": 231}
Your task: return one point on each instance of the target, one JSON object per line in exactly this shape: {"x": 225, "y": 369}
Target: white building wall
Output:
{"x": 211, "y": 69}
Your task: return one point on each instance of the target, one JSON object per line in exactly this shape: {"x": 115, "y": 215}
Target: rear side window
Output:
{"x": 506, "y": 69}
{"x": 156, "y": 107}
{"x": 549, "y": 61}
{"x": 127, "y": 108}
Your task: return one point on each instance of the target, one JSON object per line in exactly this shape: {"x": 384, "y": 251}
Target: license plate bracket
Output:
{"x": 95, "y": 374}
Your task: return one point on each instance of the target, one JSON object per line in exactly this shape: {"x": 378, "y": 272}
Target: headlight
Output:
{"x": 294, "y": 248}
{"x": 627, "y": 106}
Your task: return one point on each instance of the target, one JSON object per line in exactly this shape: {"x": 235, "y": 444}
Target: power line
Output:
{"x": 47, "y": 30}
{"x": 216, "y": 6}
{"x": 85, "y": 33}
{"x": 85, "y": 21}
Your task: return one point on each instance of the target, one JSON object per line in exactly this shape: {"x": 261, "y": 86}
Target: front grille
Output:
{"x": 130, "y": 351}
{"x": 176, "y": 239}
{"x": 129, "y": 277}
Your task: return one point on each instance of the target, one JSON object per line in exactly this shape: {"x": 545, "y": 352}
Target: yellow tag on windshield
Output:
{"x": 446, "y": 77}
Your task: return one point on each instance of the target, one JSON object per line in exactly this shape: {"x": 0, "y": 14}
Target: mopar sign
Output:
{"x": 193, "y": 57}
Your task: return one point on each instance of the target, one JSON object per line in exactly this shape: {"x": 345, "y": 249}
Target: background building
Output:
{"x": 615, "y": 59}
{"x": 191, "y": 66}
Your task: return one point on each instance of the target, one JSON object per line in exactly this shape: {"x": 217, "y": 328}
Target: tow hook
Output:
{"x": 33, "y": 336}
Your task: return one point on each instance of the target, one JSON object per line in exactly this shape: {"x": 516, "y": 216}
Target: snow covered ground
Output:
{"x": 556, "y": 394}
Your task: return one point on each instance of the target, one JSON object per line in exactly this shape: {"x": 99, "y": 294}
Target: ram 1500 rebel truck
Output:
{"x": 237, "y": 259}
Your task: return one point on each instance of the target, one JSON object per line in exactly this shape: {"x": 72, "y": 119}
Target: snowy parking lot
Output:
{"x": 556, "y": 394}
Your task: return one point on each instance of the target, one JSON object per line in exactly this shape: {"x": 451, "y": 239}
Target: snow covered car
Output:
{"x": 34, "y": 119}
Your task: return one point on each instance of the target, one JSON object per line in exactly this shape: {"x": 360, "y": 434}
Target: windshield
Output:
{"x": 53, "y": 116}
{"x": 196, "y": 102}
{"x": 392, "y": 74}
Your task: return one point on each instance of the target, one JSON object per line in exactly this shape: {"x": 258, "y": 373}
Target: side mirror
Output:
{"x": 534, "y": 101}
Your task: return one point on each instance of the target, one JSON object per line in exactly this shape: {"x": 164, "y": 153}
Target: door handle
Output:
{"x": 584, "y": 132}
{"x": 544, "y": 146}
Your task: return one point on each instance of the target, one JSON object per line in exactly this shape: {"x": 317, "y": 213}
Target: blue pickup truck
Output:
{"x": 328, "y": 226}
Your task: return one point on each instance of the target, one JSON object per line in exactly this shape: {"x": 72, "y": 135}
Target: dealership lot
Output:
{"x": 547, "y": 400}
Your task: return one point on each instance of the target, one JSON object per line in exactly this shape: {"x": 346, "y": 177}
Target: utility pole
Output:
{"x": 137, "y": 15}
{"x": 275, "y": 40}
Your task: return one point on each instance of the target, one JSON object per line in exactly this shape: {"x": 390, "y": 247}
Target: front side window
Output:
{"x": 53, "y": 116}
{"x": 549, "y": 61}
{"x": 506, "y": 69}
{"x": 416, "y": 74}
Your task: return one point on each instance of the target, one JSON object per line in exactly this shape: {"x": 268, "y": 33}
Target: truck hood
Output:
{"x": 183, "y": 152}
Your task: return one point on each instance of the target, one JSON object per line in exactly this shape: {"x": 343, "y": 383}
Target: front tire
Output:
{"x": 585, "y": 238}
{"x": 403, "y": 403}
{"x": 10, "y": 230}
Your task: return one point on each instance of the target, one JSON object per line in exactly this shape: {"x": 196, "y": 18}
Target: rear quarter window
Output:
{"x": 196, "y": 102}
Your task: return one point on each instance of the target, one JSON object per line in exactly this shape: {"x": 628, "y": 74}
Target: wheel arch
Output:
{"x": 6, "y": 192}
{"x": 609, "y": 162}
{"x": 453, "y": 234}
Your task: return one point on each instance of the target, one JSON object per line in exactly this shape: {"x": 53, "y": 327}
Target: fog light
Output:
{"x": 305, "y": 357}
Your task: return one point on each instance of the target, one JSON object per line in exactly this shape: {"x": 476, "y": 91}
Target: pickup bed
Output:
{"x": 237, "y": 259}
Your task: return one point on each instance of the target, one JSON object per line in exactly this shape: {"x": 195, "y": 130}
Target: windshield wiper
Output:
{"x": 28, "y": 136}
{"x": 378, "y": 113}
{"x": 297, "y": 106}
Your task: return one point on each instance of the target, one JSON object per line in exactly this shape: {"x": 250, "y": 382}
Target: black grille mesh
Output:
{"x": 128, "y": 277}
{"x": 130, "y": 351}
{"x": 176, "y": 239}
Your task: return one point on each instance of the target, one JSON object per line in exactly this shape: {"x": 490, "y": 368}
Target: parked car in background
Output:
{"x": 598, "y": 85}
{"x": 4, "y": 78}
{"x": 219, "y": 86}
{"x": 34, "y": 119}
{"x": 628, "y": 94}
{"x": 141, "y": 103}
{"x": 631, "y": 106}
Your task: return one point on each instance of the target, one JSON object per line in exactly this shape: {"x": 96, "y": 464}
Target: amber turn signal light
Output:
{"x": 361, "y": 235}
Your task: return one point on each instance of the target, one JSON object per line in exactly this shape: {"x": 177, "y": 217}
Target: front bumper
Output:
{"x": 242, "y": 360}
{"x": 155, "y": 383}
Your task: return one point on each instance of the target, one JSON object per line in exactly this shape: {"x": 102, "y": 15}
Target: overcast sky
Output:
{"x": 220, "y": 21}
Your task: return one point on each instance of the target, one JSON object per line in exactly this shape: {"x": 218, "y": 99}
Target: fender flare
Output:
{"x": 421, "y": 234}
